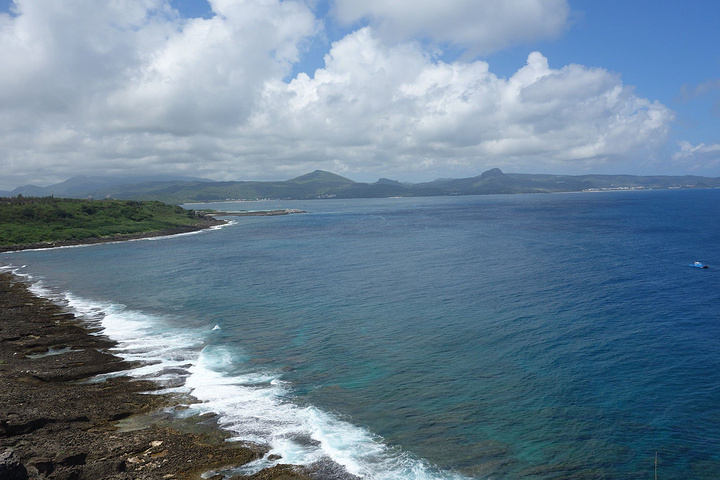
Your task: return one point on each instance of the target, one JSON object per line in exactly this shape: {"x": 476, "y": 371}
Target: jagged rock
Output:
{"x": 68, "y": 460}
{"x": 10, "y": 467}
{"x": 278, "y": 472}
{"x": 104, "y": 468}
{"x": 41, "y": 465}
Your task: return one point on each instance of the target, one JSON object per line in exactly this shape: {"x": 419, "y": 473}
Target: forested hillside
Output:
{"x": 29, "y": 220}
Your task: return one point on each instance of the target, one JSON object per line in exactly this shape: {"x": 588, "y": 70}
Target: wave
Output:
{"x": 253, "y": 405}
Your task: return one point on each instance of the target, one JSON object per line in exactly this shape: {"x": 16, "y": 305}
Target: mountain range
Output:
{"x": 321, "y": 184}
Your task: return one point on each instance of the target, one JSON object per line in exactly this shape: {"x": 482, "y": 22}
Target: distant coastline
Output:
{"x": 254, "y": 213}
{"x": 326, "y": 185}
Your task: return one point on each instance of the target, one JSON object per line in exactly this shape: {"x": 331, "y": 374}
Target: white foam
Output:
{"x": 17, "y": 271}
{"x": 255, "y": 406}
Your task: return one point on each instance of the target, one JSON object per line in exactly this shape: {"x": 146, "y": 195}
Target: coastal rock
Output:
{"x": 322, "y": 470}
{"x": 40, "y": 466}
{"x": 11, "y": 468}
{"x": 278, "y": 472}
{"x": 53, "y": 425}
{"x": 107, "y": 468}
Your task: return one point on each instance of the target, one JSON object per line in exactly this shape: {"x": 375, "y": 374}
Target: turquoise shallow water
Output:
{"x": 524, "y": 336}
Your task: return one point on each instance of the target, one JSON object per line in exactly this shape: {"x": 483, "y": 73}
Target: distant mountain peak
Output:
{"x": 387, "y": 181}
{"x": 493, "y": 172}
{"x": 322, "y": 176}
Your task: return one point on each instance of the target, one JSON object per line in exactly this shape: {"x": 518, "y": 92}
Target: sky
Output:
{"x": 411, "y": 90}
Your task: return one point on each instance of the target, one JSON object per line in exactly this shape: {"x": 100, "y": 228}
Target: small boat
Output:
{"x": 698, "y": 265}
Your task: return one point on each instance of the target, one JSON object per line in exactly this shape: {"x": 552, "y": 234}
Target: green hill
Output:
{"x": 321, "y": 184}
{"x": 33, "y": 220}
{"x": 320, "y": 178}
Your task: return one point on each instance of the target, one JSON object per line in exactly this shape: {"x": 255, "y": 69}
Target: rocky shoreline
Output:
{"x": 57, "y": 424}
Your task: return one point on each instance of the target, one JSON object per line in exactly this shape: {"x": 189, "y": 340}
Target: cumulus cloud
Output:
{"x": 92, "y": 83}
{"x": 480, "y": 26}
{"x": 207, "y": 76}
{"x": 100, "y": 87}
{"x": 398, "y": 110}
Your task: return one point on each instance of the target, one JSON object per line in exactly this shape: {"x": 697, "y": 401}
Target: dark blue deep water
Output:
{"x": 521, "y": 336}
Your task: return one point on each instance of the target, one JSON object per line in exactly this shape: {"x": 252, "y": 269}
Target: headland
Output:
{"x": 201, "y": 225}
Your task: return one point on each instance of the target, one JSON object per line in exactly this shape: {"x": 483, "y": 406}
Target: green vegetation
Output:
{"x": 28, "y": 220}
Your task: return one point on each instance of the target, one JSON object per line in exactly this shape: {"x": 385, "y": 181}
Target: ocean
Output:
{"x": 540, "y": 336}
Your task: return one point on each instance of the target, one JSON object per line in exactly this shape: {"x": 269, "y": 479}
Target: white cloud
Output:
{"x": 57, "y": 54}
{"x": 398, "y": 110}
{"x": 697, "y": 157}
{"x": 108, "y": 87}
{"x": 207, "y": 76}
{"x": 481, "y": 26}
{"x": 115, "y": 73}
